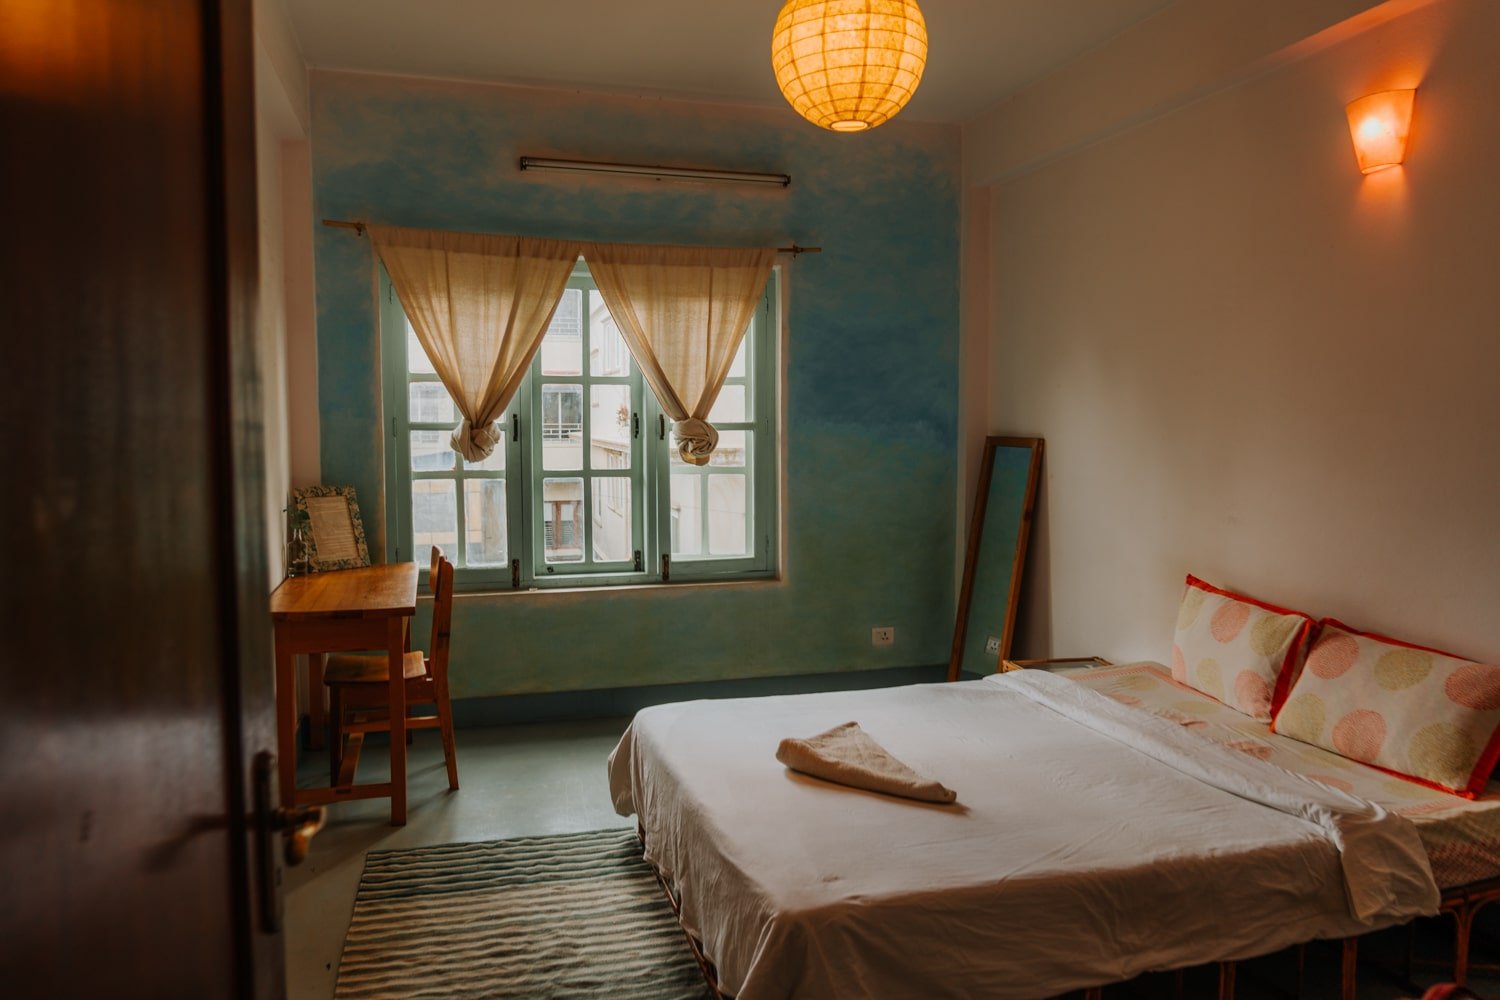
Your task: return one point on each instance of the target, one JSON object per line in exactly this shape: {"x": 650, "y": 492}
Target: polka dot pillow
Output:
{"x": 1409, "y": 710}
{"x": 1236, "y": 649}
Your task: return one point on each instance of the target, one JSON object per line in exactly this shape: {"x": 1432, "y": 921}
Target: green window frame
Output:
{"x": 574, "y": 467}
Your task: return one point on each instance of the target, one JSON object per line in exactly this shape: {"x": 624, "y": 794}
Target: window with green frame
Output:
{"x": 586, "y": 487}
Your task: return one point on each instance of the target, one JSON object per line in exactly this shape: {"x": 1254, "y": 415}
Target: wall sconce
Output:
{"x": 1378, "y": 124}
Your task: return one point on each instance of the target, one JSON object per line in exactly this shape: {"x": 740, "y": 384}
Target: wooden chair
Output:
{"x": 358, "y": 688}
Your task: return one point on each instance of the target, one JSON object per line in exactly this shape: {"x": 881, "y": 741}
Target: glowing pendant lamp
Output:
{"x": 849, "y": 65}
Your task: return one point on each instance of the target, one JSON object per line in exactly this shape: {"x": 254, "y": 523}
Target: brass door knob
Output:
{"x": 298, "y": 825}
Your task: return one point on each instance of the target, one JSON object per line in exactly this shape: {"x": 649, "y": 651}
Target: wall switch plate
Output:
{"x": 992, "y": 645}
{"x": 883, "y": 636}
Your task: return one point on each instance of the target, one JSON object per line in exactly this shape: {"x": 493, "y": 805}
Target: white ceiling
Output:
{"x": 981, "y": 51}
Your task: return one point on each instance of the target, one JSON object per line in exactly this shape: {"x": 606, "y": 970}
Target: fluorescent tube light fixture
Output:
{"x": 658, "y": 173}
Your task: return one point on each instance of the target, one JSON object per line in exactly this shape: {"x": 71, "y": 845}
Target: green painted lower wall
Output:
{"x": 871, "y": 386}
{"x": 624, "y": 702}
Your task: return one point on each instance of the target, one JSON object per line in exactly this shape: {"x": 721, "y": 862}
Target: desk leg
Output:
{"x": 286, "y": 722}
{"x": 317, "y": 714}
{"x": 395, "y": 643}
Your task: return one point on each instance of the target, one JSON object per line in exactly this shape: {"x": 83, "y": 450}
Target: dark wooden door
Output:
{"x": 135, "y": 687}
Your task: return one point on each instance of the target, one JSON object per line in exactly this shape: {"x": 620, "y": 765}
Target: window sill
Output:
{"x": 459, "y": 594}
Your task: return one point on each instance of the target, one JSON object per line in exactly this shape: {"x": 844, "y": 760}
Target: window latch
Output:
{"x": 515, "y": 574}
{"x": 639, "y": 563}
{"x": 515, "y": 427}
{"x": 666, "y": 567}
{"x": 635, "y": 428}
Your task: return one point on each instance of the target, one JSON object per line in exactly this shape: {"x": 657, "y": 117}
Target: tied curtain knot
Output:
{"x": 475, "y": 443}
{"x": 696, "y": 440}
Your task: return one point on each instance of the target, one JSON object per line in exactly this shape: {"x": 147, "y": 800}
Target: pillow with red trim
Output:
{"x": 1415, "y": 712}
{"x": 1236, "y": 649}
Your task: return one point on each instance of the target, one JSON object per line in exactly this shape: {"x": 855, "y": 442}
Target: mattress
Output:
{"x": 1091, "y": 841}
{"x": 1461, "y": 836}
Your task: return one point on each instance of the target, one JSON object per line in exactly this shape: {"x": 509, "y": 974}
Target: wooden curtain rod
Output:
{"x": 359, "y": 228}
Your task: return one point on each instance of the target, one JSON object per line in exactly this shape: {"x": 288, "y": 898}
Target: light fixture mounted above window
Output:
{"x": 1378, "y": 124}
{"x": 849, "y": 65}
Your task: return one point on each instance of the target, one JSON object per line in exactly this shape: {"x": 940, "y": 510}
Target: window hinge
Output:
{"x": 635, "y": 425}
{"x": 390, "y": 293}
{"x": 515, "y": 574}
{"x": 661, "y": 427}
{"x": 515, "y": 427}
{"x": 666, "y": 567}
{"x": 639, "y": 562}
{"x": 393, "y": 427}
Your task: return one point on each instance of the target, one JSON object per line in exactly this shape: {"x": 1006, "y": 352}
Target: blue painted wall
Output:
{"x": 871, "y": 387}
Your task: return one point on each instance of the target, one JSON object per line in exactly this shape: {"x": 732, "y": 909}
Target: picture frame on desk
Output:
{"x": 336, "y": 534}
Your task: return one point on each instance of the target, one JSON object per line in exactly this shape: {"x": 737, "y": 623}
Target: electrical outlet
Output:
{"x": 883, "y": 636}
{"x": 992, "y": 645}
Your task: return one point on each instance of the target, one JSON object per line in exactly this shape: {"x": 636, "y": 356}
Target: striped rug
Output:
{"x": 577, "y": 915}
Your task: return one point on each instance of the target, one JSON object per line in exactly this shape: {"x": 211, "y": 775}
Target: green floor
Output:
{"x": 549, "y": 778}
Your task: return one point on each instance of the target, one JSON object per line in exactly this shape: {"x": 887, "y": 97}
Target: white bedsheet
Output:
{"x": 1091, "y": 842}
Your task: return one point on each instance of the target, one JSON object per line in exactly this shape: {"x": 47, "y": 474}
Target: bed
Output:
{"x": 1109, "y": 822}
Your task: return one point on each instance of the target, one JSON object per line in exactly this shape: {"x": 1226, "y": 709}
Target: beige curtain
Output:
{"x": 480, "y": 306}
{"x": 683, "y": 312}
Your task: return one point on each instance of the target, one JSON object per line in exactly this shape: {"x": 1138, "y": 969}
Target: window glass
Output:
{"x": 484, "y": 522}
{"x": 586, "y": 480}
{"x": 562, "y": 517}
{"x": 562, "y": 347}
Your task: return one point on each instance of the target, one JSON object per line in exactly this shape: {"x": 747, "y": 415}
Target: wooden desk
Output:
{"x": 334, "y": 612}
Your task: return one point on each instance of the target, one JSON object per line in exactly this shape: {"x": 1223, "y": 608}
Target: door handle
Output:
{"x": 295, "y": 827}
{"x": 298, "y": 826}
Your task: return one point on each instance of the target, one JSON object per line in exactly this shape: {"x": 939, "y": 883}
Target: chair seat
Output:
{"x": 370, "y": 668}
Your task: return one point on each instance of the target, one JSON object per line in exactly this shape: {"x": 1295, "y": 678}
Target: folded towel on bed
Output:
{"x": 846, "y": 754}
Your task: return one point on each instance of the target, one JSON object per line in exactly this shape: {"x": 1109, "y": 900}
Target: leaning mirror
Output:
{"x": 996, "y": 553}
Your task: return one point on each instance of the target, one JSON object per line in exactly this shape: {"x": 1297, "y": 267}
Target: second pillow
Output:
{"x": 1237, "y": 649}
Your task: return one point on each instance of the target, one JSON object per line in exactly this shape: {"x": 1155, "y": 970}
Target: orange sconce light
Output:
{"x": 1379, "y": 124}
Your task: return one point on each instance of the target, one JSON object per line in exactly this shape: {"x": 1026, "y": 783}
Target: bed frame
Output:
{"x": 1462, "y": 903}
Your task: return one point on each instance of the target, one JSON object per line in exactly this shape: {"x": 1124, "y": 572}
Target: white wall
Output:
{"x": 1252, "y": 363}
{"x": 281, "y": 118}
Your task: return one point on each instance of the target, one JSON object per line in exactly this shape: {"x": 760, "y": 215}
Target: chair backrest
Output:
{"x": 441, "y": 580}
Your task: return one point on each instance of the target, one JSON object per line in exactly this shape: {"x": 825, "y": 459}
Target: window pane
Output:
{"x": 562, "y": 426}
{"x": 416, "y": 357}
{"x": 431, "y": 451}
{"x": 609, "y": 427}
{"x": 732, "y": 449}
{"x": 687, "y": 515}
{"x": 729, "y": 408}
{"x": 430, "y": 404}
{"x": 612, "y": 534}
{"x": 737, "y": 366}
{"x": 726, "y": 515}
{"x": 562, "y": 347}
{"x": 434, "y": 515}
{"x": 484, "y": 522}
{"x": 562, "y": 520}
{"x": 608, "y": 355}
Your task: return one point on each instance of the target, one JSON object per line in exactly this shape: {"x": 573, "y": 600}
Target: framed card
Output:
{"x": 336, "y": 535}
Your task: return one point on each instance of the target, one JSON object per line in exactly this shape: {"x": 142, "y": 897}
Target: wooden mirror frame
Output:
{"x": 1018, "y": 560}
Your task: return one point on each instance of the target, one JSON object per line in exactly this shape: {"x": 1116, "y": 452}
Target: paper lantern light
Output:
{"x": 1378, "y": 124}
{"x": 849, "y": 65}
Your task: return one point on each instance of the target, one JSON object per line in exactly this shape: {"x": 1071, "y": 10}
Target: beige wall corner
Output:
{"x": 287, "y": 69}
{"x": 1253, "y": 363}
{"x": 1190, "y": 50}
{"x": 973, "y": 357}
{"x": 282, "y": 192}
